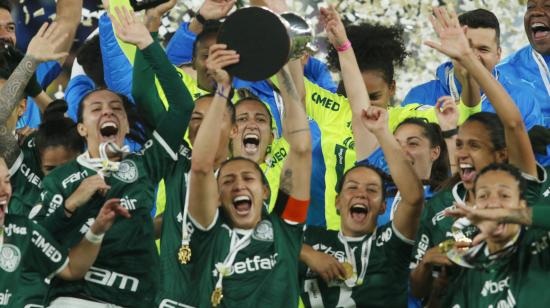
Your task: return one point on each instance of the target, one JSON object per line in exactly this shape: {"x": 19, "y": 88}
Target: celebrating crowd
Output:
{"x": 161, "y": 180}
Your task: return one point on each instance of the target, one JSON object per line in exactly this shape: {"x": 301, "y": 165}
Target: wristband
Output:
{"x": 200, "y": 18}
{"x": 344, "y": 46}
{"x": 93, "y": 238}
{"x": 449, "y": 133}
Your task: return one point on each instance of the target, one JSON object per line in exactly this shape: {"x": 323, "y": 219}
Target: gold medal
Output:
{"x": 446, "y": 246}
{"x": 349, "y": 270}
{"x": 184, "y": 254}
{"x": 216, "y": 297}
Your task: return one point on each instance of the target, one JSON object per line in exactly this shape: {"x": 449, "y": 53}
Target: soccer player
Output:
{"x": 72, "y": 192}
{"x": 335, "y": 113}
{"x": 26, "y": 246}
{"x": 481, "y": 140}
{"x": 484, "y": 36}
{"x": 174, "y": 229}
{"x": 509, "y": 262}
{"x": 374, "y": 259}
{"x": 247, "y": 256}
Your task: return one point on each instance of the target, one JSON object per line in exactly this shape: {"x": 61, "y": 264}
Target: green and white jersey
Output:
{"x": 27, "y": 246}
{"x": 517, "y": 280}
{"x": 264, "y": 272}
{"x": 26, "y": 179}
{"x": 435, "y": 227}
{"x": 385, "y": 254}
{"x": 122, "y": 273}
{"x": 175, "y": 278}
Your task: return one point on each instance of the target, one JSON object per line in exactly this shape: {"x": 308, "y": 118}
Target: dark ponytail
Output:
{"x": 57, "y": 129}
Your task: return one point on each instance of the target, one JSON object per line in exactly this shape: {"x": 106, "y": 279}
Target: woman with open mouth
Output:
{"x": 74, "y": 192}
{"x": 247, "y": 257}
{"x": 508, "y": 263}
{"x": 370, "y": 264}
{"x": 483, "y": 139}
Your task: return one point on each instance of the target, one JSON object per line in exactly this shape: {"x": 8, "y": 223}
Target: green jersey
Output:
{"x": 26, "y": 246}
{"x": 122, "y": 273}
{"x": 435, "y": 227}
{"x": 175, "y": 277}
{"x": 26, "y": 179}
{"x": 333, "y": 114}
{"x": 517, "y": 279}
{"x": 384, "y": 254}
{"x": 264, "y": 273}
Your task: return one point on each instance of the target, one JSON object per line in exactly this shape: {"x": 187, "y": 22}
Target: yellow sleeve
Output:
{"x": 324, "y": 106}
{"x": 466, "y": 112}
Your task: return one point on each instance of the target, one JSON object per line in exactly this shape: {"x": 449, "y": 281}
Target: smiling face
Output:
{"x": 103, "y": 119}
{"x": 242, "y": 193}
{"x": 474, "y": 151}
{"x": 417, "y": 148}
{"x": 5, "y": 190}
{"x": 499, "y": 189}
{"x": 537, "y": 25}
{"x": 254, "y": 133}
{"x": 360, "y": 201}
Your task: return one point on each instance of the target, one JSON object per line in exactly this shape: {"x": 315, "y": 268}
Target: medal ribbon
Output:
{"x": 543, "y": 69}
{"x": 103, "y": 166}
{"x": 224, "y": 269}
{"x": 185, "y": 238}
{"x": 365, "y": 254}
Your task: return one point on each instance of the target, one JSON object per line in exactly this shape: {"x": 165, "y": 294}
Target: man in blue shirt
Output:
{"x": 484, "y": 35}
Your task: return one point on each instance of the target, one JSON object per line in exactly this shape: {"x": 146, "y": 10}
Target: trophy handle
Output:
{"x": 299, "y": 32}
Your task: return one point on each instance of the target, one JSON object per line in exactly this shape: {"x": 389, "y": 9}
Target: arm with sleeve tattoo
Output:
{"x": 295, "y": 177}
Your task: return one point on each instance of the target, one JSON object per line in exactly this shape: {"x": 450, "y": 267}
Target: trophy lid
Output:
{"x": 260, "y": 38}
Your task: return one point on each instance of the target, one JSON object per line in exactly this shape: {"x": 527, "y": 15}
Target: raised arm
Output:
{"x": 203, "y": 195}
{"x": 357, "y": 93}
{"x": 407, "y": 217}
{"x": 68, "y": 14}
{"x": 296, "y": 173}
{"x": 447, "y": 116}
{"x": 41, "y": 48}
{"x": 455, "y": 45}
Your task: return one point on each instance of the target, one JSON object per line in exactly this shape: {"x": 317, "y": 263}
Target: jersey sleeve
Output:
{"x": 52, "y": 214}
{"x": 45, "y": 254}
{"x": 423, "y": 240}
{"x": 291, "y": 214}
{"x": 76, "y": 89}
{"x": 395, "y": 245}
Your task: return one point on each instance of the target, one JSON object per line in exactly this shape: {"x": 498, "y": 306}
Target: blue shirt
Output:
{"x": 519, "y": 90}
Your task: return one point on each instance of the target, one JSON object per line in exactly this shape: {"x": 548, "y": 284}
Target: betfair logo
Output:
{"x": 5, "y": 298}
{"x": 338, "y": 254}
{"x": 492, "y": 287}
{"x": 252, "y": 265}
{"x": 325, "y": 102}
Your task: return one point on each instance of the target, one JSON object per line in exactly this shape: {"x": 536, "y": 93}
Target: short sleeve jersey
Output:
{"x": 332, "y": 112}
{"x": 385, "y": 282}
{"x": 26, "y": 179}
{"x": 517, "y": 280}
{"x": 264, "y": 273}
{"x": 27, "y": 246}
{"x": 435, "y": 227}
{"x": 122, "y": 272}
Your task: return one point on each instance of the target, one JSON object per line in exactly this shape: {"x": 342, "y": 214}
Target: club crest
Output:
{"x": 263, "y": 231}
{"x": 10, "y": 256}
{"x": 127, "y": 171}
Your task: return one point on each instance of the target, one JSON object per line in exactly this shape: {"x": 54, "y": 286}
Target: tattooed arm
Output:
{"x": 295, "y": 177}
{"x": 41, "y": 48}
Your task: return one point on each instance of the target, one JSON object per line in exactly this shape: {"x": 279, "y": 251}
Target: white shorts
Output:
{"x": 73, "y": 302}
